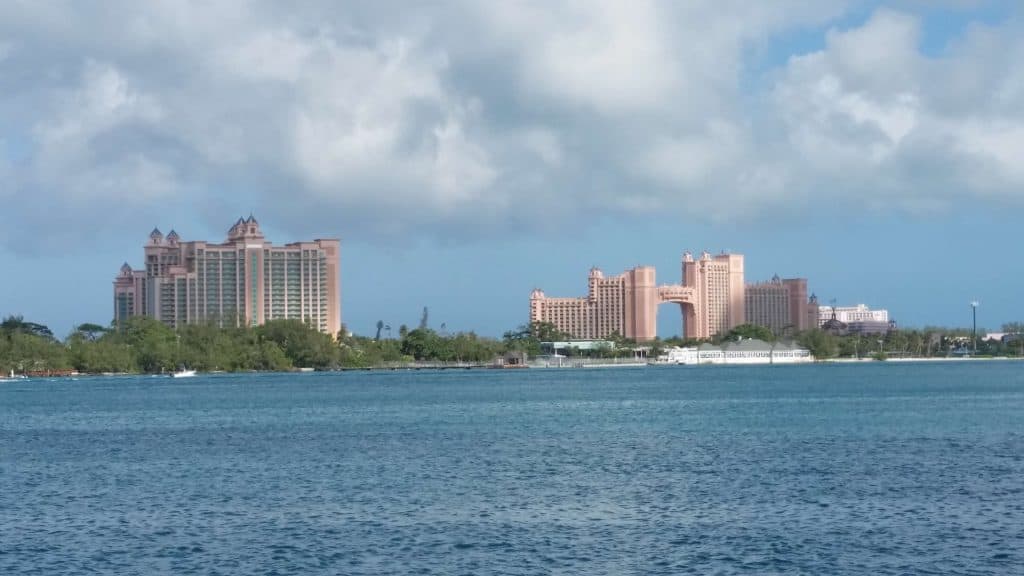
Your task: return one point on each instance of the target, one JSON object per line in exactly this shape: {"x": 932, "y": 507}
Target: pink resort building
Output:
{"x": 780, "y": 304}
{"x": 243, "y": 281}
{"x": 711, "y": 297}
{"x": 622, "y": 304}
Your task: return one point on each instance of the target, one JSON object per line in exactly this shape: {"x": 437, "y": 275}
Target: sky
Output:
{"x": 467, "y": 152}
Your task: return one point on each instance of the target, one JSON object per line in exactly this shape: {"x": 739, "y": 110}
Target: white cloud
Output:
{"x": 462, "y": 168}
{"x": 694, "y": 159}
{"x": 272, "y": 55}
{"x": 645, "y": 57}
{"x": 442, "y": 115}
{"x": 103, "y": 101}
{"x": 545, "y": 144}
{"x": 353, "y": 114}
{"x": 613, "y": 56}
{"x": 870, "y": 115}
{"x": 997, "y": 145}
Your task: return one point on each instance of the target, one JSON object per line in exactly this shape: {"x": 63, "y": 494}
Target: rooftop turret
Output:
{"x": 245, "y": 228}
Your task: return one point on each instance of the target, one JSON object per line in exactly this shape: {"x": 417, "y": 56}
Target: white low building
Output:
{"x": 851, "y": 314}
{"x": 742, "y": 352}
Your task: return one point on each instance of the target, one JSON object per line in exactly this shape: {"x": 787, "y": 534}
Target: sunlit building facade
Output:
{"x": 624, "y": 304}
{"x": 719, "y": 301}
{"x": 711, "y": 298}
{"x": 243, "y": 281}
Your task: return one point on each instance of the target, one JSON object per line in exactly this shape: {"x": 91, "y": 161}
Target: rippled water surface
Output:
{"x": 867, "y": 469}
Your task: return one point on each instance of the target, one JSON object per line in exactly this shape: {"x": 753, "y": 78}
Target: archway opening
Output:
{"x": 672, "y": 319}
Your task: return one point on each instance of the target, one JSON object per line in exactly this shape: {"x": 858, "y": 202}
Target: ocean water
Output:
{"x": 836, "y": 469}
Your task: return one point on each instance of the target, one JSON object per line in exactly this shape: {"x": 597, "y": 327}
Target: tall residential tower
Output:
{"x": 780, "y": 304}
{"x": 718, "y": 302}
{"x": 243, "y": 281}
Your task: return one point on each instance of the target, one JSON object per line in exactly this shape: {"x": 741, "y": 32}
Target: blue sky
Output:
{"x": 467, "y": 152}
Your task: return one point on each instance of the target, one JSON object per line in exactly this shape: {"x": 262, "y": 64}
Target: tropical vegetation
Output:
{"x": 143, "y": 344}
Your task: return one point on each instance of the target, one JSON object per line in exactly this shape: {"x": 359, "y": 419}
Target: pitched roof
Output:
{"x": 749, "y": 344}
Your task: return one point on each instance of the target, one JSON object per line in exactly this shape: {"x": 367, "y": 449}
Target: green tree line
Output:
{"x": 142, "y": 344}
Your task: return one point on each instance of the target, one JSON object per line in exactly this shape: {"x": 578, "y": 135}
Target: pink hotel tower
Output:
{"x": 711, "y": 296}
{"x": 245, "y": 280}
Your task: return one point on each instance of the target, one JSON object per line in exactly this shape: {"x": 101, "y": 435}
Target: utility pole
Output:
{"x": 974, "y": 325}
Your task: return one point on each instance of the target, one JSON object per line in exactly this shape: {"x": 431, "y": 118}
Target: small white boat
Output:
{"x": 14, "y": 377}
{"x": 183, "y": 373}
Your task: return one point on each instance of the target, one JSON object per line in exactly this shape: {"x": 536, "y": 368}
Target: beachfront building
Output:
{"x": 711, "y": 297}
{"x": 855, "y": 320}
{"x": 851, "y": 314}
{"x": 245, "y": 280}
{"x": 779, "y": 304}
{"x": 750, "y": 351}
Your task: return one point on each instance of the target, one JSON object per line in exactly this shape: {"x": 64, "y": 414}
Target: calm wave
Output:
{"x": 866, "y": 469}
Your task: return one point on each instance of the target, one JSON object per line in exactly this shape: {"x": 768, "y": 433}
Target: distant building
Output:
{"x": 779, "y": 304}
{"x": 813, "y": 311}
{"x": 243, "y": 281}
{"x": 710, "y": 296}
{"x": 719, "y": 304}
{"x": 868, "y": 327}
{"x": 848, "y": 314}
{"x": 581, "y": 345}
{"x": 742, "y": 352}
{"x": 625, "y": 304}
{"x": 858, "y": 320}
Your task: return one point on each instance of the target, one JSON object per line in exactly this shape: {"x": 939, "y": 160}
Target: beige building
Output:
{"x": 615, "y": 304}
{"x": 718, "y": 302}
{"x": 243, "y": 281}
{"x": 711, "y": 297}
{"x": 778, "y": 304}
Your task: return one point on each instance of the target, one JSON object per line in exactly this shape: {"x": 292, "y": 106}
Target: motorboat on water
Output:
{"x": 183, "y": 373}
{"x": 13, "y": 377}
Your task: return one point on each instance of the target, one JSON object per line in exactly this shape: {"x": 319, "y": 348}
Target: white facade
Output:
{"x": 744, "y": 352}
{"x": 849, "y": 314}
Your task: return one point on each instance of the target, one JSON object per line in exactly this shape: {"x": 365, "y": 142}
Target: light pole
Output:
{"x": 974, "y": 326}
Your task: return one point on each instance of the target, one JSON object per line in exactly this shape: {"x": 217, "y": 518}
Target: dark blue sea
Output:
{"x": 876, "y": 468}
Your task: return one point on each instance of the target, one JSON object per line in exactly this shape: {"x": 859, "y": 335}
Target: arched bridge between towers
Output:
{"x": 677, "y": 294}
{"x": 686, "y": 298}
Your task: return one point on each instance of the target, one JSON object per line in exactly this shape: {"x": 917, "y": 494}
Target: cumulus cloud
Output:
{"x": 444, "y": 118}
{"x": 881, "y": 122}
{"x": 611, "y": 56}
